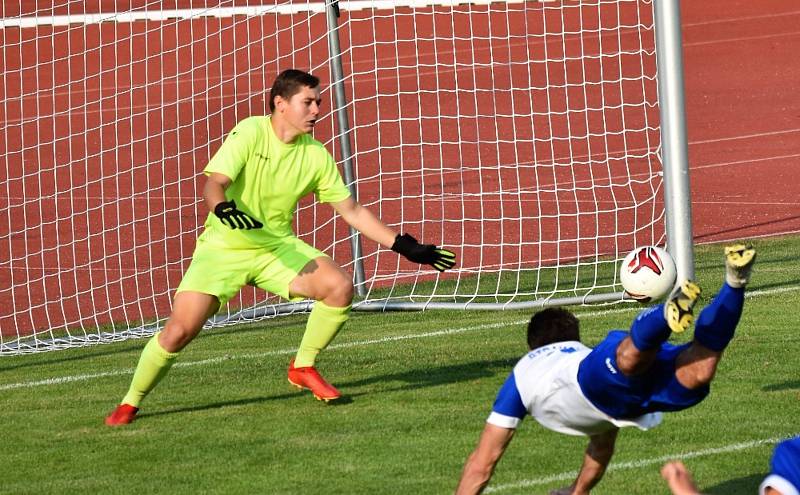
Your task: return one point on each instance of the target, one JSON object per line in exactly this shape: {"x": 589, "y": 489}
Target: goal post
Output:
{"x": 525, "y": 136}
{"x": 673, "y": 133}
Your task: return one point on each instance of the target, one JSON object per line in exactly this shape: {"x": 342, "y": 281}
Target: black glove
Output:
{"x": 235, "y": 219}
{"x": 425, "y": 254}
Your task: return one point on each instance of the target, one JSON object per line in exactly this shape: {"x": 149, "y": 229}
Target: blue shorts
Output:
{"x": 622, "y": 396}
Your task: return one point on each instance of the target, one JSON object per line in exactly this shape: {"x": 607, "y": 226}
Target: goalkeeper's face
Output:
{"x": 301, "y": 110}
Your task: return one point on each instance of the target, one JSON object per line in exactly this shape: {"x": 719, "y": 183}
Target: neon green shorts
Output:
{"x": 222, "y": 271}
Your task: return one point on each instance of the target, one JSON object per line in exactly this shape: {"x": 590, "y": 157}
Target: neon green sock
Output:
{"x": 324, "y": 323}
{"x": 153, "y": 365}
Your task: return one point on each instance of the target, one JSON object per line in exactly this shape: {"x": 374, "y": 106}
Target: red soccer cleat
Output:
{"x": 309, "y": 378}
{"x": 124, "y": 414}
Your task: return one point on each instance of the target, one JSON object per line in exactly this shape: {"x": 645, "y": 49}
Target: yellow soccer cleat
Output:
{"x": 739, "y": 259}
{"x": 678, "y": 309}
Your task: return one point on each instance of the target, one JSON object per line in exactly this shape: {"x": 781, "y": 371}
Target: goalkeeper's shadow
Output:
{"x": 219, "y": 405}
{"x": 425, "y": 377}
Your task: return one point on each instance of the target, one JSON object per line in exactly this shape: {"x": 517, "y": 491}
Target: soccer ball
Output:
{"x": 648, "y": 273}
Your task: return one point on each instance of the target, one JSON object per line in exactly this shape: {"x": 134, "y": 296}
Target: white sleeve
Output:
{"x": 503, "y": 421}
{"x": 508, "y": 409}
{"x": 778, "y": 483}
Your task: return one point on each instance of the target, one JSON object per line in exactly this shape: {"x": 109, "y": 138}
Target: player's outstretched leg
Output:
{"x": 189, "y": 311}
{"x": 717, "y": 322}
{"x": 650, "y": 329}
{"x": 653, "y": 326}
{"x": 324, "y": 323}
{"x": 154, "y": 364}
{"x": 696, "y": 366}
{"x": 332, "y": 288}
{"x": 678, "y": 308}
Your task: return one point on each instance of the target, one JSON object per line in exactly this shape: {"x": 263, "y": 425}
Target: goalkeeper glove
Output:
{"x": 235, "y": 219}
{"x": 425, "y": 254}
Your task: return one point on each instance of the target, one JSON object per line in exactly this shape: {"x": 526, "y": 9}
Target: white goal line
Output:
{"x": 60, "y": 380}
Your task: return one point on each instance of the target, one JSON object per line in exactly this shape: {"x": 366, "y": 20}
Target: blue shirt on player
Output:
{"x": 570, "y": 388}
{"x": 785, "y": 468}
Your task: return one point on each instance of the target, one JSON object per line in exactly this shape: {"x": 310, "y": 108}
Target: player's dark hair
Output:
{"x": 288, "y": 83}
{"x": 552, "y": 325}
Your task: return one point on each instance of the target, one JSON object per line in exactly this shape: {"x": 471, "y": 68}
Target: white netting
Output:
{"x": 522, "y": 135}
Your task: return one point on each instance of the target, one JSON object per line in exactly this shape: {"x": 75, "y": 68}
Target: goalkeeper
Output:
{"x": 254, "y": 181}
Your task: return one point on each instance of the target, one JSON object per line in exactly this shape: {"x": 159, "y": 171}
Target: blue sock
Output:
{"x": 717, "y": 322}
{"x": 649, "y": 329}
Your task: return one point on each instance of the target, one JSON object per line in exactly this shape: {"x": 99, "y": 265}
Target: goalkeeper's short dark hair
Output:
{"x": 552, "y": 325}
{"x": 288, "y": 83}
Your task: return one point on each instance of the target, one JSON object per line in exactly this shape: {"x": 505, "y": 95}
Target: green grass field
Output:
{"x": 417, "y": 386}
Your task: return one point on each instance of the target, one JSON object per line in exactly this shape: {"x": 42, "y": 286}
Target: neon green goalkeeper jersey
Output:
{"x": 268, "y": 179}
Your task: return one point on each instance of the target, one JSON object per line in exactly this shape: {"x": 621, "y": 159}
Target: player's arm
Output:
{"x": 595, "y": 461}
{"x": 508, "y": 411}
{"x": 363, "y": 220}
{"x": 482, "y": 461}
{"x": 217, "y": 203}
{"x": 214, "y": 190}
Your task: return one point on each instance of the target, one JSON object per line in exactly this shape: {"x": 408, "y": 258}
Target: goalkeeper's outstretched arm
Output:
{"x": 363, "y": 220}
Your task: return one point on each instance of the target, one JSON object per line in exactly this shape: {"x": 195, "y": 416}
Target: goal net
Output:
{"x": 521, "y": 135}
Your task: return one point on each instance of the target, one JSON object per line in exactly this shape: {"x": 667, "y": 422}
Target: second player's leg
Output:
{"x": 697, "y": 365}
{"x": 714, "y": 329}
{"x": 716, "y": 324}
{"x": 653, "y": 326}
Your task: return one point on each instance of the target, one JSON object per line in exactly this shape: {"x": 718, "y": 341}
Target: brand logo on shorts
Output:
{"x": 610, "y": 366}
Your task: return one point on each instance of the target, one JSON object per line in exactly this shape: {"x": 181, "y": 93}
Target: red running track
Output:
{"x": 742, "y": 77}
